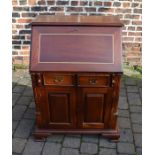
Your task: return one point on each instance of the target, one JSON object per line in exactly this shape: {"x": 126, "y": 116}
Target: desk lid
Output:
{"x": 77, "y": 20}
{"x": 57, "y": 45}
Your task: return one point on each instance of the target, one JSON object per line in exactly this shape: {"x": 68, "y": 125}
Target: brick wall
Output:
{"x": 26, "y": 10}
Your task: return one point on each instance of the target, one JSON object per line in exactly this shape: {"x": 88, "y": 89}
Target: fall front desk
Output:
{"x": 75, "y": 66}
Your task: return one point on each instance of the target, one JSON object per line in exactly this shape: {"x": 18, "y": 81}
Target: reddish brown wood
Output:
{"x": 78, "y": 20}
{"x": 58, "y": 79}
{"x": 94, "y": 80}
{"x": 80, "y": 95}
{"x": 87, "y": 49}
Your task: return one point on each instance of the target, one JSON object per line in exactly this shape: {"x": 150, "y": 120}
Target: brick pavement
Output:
{"x": 130, "y": 123}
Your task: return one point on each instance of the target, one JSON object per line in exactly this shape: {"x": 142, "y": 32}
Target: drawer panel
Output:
{"x": 58, "y": 79}
{"x": 94, "y": 80}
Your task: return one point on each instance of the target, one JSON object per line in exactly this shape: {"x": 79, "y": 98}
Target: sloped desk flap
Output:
{"x": 76, "y": 48}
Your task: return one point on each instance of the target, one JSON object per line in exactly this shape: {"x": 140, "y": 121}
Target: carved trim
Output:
{"x": 39, "y": 79}
{"x": 33, "y": 77}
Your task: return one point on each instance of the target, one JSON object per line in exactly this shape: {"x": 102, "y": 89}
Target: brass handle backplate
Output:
{"x": 58, "y": 79}
{"x": 93, "y": 81}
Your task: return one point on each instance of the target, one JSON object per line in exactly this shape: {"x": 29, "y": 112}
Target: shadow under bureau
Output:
{"x": 75, "y": 66}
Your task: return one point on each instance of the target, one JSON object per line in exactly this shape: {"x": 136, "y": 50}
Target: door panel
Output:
{"x": 93, "y": 108}
{"x": 92, "y": 105}
{"x": 59, "y": 105}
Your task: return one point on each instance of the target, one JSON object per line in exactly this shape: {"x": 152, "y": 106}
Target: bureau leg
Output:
{"x": 112, "y": 136}
{"x": 40, "y": 136}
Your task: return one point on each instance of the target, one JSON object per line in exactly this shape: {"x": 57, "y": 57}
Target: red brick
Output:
{"x": 14, "y": 2}
{"x": 90, "y": 9}
{"x": 83, "y": 3}
{"x": 74, "y": 3}
{"x": 135, "y": 5}
{"x": 139, "y": 28}
{"x": 136, "y": 22}
{"x": 74, "y": 9}
{"x": 138, "y": 39}
{"x": 117, "y": 4}
{"x": 28, "y": 37}
{"x": 126, "y": 22}
{"x": 131, "y": 28}
{"x": 110, "y": 10}
{"x": 61, "y": 2}
{"x": 134, "y": 33}
{"x": 138, "y": 11}
{"x": 32, "y": 2}
{"x": 126, "y": 4}
{"x": 124, "y": 33}
{"x": 136, "y": 49}
{"x": 132, "y": 16}
{"x": 107, "y": 4}
{"x": 14, "y": 31}
{"x": 52, "y": 2}
{"x": 19, "y": 26}
{"x": 41, "y": 2}
{"x": 25, "y": 52}
{"x": 57, "y": 8}
{"x": 118, "y": 10}
{"x": 24, "y": 20}
{"x": 22, "y": 2}
{"x": 25, "y": 47}
{"x": 98, "y": 3}
{"x": 29, "y": 14}
{"x": 128, "y": 38}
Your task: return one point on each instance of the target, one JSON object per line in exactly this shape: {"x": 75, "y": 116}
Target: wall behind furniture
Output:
{"x": 129, "y": 11}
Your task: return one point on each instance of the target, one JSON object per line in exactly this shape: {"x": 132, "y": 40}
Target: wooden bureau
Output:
{"x": 75, "y": 66}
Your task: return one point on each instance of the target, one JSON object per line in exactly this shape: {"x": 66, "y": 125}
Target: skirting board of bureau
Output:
{"x": 76, "y": 67}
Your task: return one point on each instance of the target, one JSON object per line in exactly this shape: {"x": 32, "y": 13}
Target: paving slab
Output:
{"x": 51, "y": 148}
{"x": 69, "y": 151}
{"x": 89, "y": 148}
{"x": 18, "y": 112}
{"x": 73, "y": 142}
{"x": 90, "y": 138}
{"x": 126, "y": 148}
{"x": 33, "y": 148}
{"x": 24, "y": 128}
{"x": 106, "y": 151}
{"x": 18, "y": 145}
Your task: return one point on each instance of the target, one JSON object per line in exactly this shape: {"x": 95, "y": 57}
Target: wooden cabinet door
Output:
{"x": 59, "y": 107}
{"x": 94, "y": 107}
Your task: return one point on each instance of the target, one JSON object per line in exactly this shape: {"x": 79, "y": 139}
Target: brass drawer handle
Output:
{"x": 92, "y": 81}
{"x": 58, "y": 79}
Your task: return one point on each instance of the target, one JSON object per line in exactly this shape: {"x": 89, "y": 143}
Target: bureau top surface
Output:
{"x": 77, "y": 20}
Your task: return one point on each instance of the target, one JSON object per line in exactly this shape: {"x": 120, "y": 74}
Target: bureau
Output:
{"x": 75, "y": 67}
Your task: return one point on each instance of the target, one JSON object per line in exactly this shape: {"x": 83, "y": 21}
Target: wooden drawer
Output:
{"x": 58, "y": 79}
{"x": 94, "y": 80}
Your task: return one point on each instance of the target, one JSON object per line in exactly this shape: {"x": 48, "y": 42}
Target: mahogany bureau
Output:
{"x": 75, "y": 66}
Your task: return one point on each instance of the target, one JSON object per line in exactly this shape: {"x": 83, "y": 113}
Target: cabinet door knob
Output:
{"x": 92, "y": 81}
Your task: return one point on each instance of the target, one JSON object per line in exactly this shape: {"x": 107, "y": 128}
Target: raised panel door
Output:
{"x": 59, "y": 105}
{"x": 94, "y": 107}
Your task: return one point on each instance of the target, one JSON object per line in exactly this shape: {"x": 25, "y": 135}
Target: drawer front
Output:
{"x": 58, "y": 79}
{"x": 94, "y": 80}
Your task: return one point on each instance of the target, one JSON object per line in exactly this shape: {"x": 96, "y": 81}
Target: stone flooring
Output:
{"x": 130, "y": 123}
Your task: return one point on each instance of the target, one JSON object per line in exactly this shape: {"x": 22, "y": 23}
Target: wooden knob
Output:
{"x": 113, "y": 81}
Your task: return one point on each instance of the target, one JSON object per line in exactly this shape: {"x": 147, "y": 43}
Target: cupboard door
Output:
{"x": 60, "y": 104}
{"x": 92, "y": 104}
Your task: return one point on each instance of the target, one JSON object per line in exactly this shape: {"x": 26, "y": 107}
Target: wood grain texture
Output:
{"x": 99, "y": 52}
{"x": 77, "y": 20}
